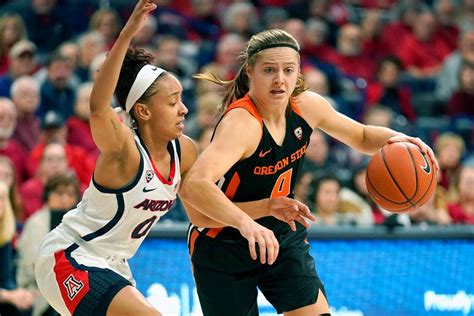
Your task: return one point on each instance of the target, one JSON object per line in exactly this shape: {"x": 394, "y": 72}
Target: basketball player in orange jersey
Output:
{"x": 81, "y": 267}
{"x": 256, "y": 152}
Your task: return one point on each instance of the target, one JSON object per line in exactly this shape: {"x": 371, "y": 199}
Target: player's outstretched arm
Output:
{"x": 107, "y": 130}
{"x": 365, "y": 138}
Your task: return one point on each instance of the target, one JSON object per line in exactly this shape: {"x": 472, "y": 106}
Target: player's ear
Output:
{"x": 142, "y": 111}
{"x": 247, "y": 71}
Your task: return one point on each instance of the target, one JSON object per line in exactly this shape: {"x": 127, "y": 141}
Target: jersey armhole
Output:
{"x": 178, "y": 148}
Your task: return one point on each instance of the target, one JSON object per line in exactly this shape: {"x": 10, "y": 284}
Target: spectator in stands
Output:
{"x": 465, "y": 17}
{"x": 56, "y": 93}
{"x": 431, "y": 213}
{"x": 350, "y": 58}
{"x": 274, "y": 17}
{"x": 462, "y": 212}
{"x": 205, "y": 115}
{"x": 106, "y": 22}
{"x": 53, "y": 163}
{"x": 202, "y": 21}
{"x": 53, "y": 129}
{"x": 387, "y": 89}
{"x": 462, "y": 101}
{"x": 317, "y": 154}
{"x": 9, "y": 202}
{"x": 407, "y": 15}
{"x": 91, "y": 44}
{"x": 314, "y": 44}
{"x": 303, "y": 187}
{"x": 14, "y": 302}
{"x": 325, "y": 194}
{"x": 8, "y": 146}
{"x": 26, "y": 97}
{"x": 373, "y": 44}
{"x": 47, "y": 26}
{"x": 328, "y": 207}
{"x": 445, "y": 11}
{"x": 21, "y": 63}
{"x": 226, "y": 62}
{"x": 378, "y": 115}
{"x": 449, "y": 149}
{"x": 12, "y": 30}
{"x": 240, "y": 18}
{"x": 447, "y": 80}
{"x": 145, "y": 37}
{"x": 61, "y": 194}
{"x": 168, "y": 57}
{"x": 78, "y": 127}
{"x": 317, "y": 81}
{"x": 423, "y": 52}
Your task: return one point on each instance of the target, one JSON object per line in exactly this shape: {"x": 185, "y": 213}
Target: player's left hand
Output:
{"x": 425, "y": 149}
{"x": 290, "y": 211}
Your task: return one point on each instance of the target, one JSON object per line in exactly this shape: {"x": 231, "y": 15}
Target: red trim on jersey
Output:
{"x": 73, "y": 283}
{"x": 192, "y": 240}
{"x": 232, "y": 187}
{"x": 172, "y": 167}
{"x": 172, "y": 172}
{"x": 212, "y": 232}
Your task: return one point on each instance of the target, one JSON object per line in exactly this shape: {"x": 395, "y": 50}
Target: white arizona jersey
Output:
{"x": 113, "y": 223}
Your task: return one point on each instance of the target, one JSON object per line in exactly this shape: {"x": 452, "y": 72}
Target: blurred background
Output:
{"x": 408, "y": 65}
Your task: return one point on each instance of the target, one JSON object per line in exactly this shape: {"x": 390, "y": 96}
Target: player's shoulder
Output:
{"x": 189, "y": 152}
{"x": 313, "y": 107}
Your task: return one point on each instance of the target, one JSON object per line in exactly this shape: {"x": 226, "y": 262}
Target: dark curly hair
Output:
{"x": 135, "y": 59}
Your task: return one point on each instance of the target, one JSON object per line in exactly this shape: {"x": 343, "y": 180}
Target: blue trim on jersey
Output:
{"x": 75, "y": 264}
{"x": 178, "y": 148}
{"x": 113, "y": 221}
{"x": 128, "y": 186}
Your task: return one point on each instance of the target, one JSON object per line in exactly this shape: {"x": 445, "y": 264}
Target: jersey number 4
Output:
{"x": 283, "y": 184}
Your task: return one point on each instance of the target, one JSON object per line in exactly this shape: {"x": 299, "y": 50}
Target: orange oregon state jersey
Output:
{"x": 271, "y": 171}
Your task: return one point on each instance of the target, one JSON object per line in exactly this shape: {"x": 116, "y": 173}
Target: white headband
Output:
{"x": 146, "y": 76}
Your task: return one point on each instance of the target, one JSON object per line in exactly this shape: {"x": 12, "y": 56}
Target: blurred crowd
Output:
{"x": 408, "y": 65}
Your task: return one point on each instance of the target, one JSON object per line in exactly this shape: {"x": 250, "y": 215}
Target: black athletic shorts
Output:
{"x": 227, "y": 278}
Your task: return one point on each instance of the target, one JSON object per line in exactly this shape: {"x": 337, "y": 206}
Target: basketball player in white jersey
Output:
{"x": 81, "y": 267}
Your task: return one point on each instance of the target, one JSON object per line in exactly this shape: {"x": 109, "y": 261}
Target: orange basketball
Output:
{"x": 400, "y": 178}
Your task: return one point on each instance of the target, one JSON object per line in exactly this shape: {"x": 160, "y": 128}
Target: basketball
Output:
{"x": 400, "y": 178}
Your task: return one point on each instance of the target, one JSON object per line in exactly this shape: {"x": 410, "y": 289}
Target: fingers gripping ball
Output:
{"x": 400, "y": 178}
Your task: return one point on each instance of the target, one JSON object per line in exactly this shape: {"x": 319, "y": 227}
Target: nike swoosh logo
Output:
{"x": 145, "y": 190}
{"x": 426, "y": 168}
{"x": 154, "y": 69}
{"x": 264, "y": 153}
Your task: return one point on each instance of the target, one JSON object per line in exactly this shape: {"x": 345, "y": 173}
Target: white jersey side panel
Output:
{"x": 115, "y": 222}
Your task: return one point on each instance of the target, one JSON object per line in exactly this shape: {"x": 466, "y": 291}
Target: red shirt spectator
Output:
{"x": 54, "y": 130}
{"x": 17, "y": 154}
{"x": 77, "y": 159}
{"x": 31, "y": 192}
{"x": 423, "y": 52}
{"x": 459, "y": 215}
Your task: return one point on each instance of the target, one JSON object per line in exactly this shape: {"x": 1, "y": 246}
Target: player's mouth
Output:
{"x": 277, "y": 92}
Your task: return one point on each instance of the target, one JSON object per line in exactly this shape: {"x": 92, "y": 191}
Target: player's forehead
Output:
{"x": 169, "y": 86}
{"x": 278, "y": 56}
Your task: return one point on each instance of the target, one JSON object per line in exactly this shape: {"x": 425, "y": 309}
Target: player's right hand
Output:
{"x": 264, "y": 237}
{"x": 137, "y": 18}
